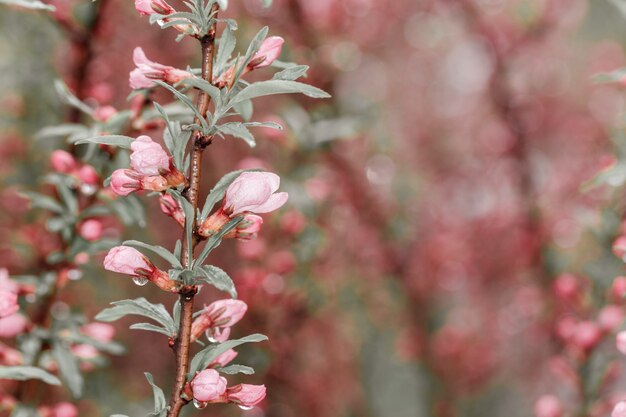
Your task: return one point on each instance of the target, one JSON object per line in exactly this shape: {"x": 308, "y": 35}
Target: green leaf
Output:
{"x": 219, "y": 279}
{"x": 207, "y": 355}
{"x": 215, "y": 240}
{"x": 159, "y": 250}
{"x": 151, "y": 328}
{"x": 205, "y": 86}
{"x": 112, "y": 140}
{"x": 51, "y": 132}
{"x": 238, "y": 130}
{"x": 225, "y": 49}
{"x": 23, "y": 373}
{"x": 236, "y": 369}
{"x": 291, "y": 73}
{"x": 44, "y": 202}
{"x": 245, "y": 109}
{"x": 160, "y": 403}
{"x": 69, "y": 369}
{"x": 186, "y": 101}
{"x": 217, "y": 193}
{"x": 141, "y": 307}
{"x": 252, "y": 49}
{"x": 69, "y": 98}
{"x": 270, "y": 87}
{"x": 29, "y": 4}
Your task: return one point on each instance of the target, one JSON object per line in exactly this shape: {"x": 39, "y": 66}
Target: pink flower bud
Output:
{"x": 90, "y": 230}
{"x": 88, "y": 175}
{"x": 6, "y": 283}
{"x": 127, "y": 260}
{"x": 566, "y": 286}
{"x": 548, "y": 406}
{"x": 148, "y": 7}
{"x": 268, "y": 52}
{"x": 62, "y": 161}
{"x": 64, "y": 409}
{"x": 170, "y": 207}
{"x": 148, "y": 157}
{"x": 208, "y": 385}
{"x": 247, "y": 229}
{"x": 246, "y": 395}
{"x": 610, "y": 318}
{"x": 125, "y": 181}
{"x": 254, "y": 192}
{"x": 619, "y": 247}
{"x": 618, "y": 288}
{"x": 619, "y": 410}
{"x": 102, "y": 332}
{"x": 130, "y": 261}
{"x": 147, "y": 71}
{"x": 8, "y": 303}
{"x": 224, "y": 359}
{"x": 217, "y": 318}
{"x": 12, "y": 325}
{"x": 587, "y": 335}
{"x": 620, "y": 342}
{"x": 85, "y": 351}
{"x": 104, "y": 113}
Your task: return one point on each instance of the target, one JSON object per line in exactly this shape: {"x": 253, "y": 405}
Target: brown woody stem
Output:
{"x": 200, "y": 142}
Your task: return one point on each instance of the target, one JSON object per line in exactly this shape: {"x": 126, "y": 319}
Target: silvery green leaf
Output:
{"x": 207, "y": 355}
{"x": 29, "y": 4}
{"x": 252, "y": 49}
{"x": 225, "y": 49}
{"x": 218, "y": 192}
{"x": 271, "y": 125}
{"x": 186, "y": 101}
{"x": 190, "y": 221}
{"x": 238, "y": 130}
{"x": 236, "y": 369}
{"x": 112, "y": 140}
{"x": 291, "y": 73}
{"x": 113, "y": 348}
{"x": 44, "y": 202}
{"x": 159, "y": 250}
{"x": 151, "y": 328}
{"x": 218, "y": 278}
{"x": 69, "y": 98}
{"x": 141, "y": 307}
{"x": 245, "y": 109}
{"x": 205, "y": 86}
{"x": 270, "y": 87}
{"x": 223, "y": 4}
{"x": 69, "y": 369}
{"x": 215, "y": 240}
{"x": 160, "y": 404}
{"x": 51, "y": 132}
{"x": 23, "y": 373}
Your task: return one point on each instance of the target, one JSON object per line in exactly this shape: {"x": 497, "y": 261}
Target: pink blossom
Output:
{"x": 224, "y": 358}
{"x": 62, "y": 161}
{"x": 88, "y": 175}
{"x": 587, "y": 335}
{"x": 127, "y": 260}
{"x": 566, "y": 286}
{"x": 90, "y": 230}
{"x": 248, "y": 228}
{"x": 610, "y": 318}
{"x": 6, "y": 283}
{"x": 208, "y": 385}
{"x": 217, "y": 319}
{"x": 246, "y": 395}
{"x": 64, "y": 409}
{"x": 104, "y": 113}
{"x": 12, "y": 325}
{"x": 147, "y": 71}
{"x": 619, "y": 410}
{"x": 620, "y": 341}
{"x": 148, "y": 7}
{"x": 548, "y": 406}
{"x": 254, "y": 192}
{"x": 148, "y": 157}
{"x": 170, "y": 207}
{"x": 102, "y": 332}
{"x": 618, "y": 288}
{"x": 85, "y": 351}
{"x": 8, "y": 303}
{"x": 268, "y": 52}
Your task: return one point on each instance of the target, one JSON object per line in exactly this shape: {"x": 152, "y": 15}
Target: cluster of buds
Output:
{"x": 208, "y": 387}
{"x": 250, "y": 193}
{"x": 151, "y": 169}
{"x": 268, "y": 53}
{"x": 147, "y": 72}
{"x": 85, "y": 174}
{"x": 130, "y": 261}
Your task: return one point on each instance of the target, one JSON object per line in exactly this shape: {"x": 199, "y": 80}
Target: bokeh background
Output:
{"x": 436, "y": 200}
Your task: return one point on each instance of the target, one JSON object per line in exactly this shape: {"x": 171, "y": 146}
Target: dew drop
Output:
{"x": 245, "y": 407}
{"x": 200, "y": 404}
{"x": 140, "y": 281}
